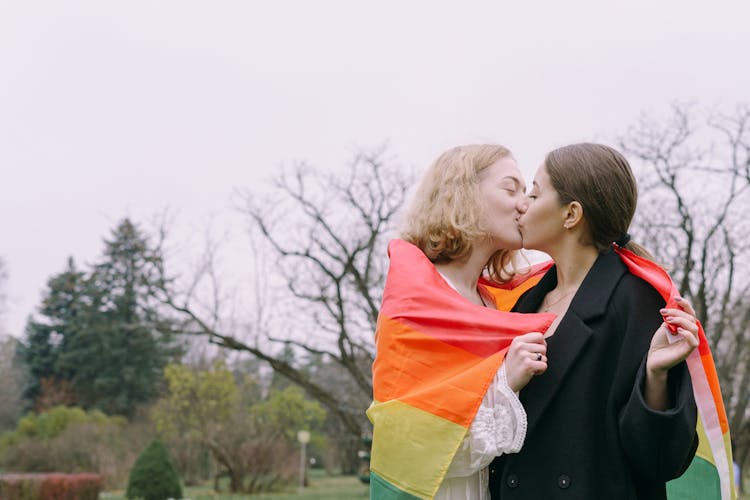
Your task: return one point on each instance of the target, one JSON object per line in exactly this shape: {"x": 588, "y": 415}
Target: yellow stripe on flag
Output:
{"x": 704, "y": 447}
{"x": 423, "y": 463}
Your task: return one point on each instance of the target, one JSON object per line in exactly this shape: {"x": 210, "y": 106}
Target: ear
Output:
{"x": 572, "y": 215}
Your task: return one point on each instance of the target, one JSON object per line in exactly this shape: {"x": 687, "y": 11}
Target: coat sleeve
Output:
{"x": 659, "y": 445}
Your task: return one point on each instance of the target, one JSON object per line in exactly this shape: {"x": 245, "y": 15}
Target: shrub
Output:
{"x": 49, "y": 424}
{"x": 62, "y": 441}
{"x": 53, "y": 422}
{"x": 50, "y": 486}
{"x": 154, "y": 476}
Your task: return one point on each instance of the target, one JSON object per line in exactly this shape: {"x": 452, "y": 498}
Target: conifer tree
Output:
{"x": 102, "y": 332}
{"x": 154, "y": 476}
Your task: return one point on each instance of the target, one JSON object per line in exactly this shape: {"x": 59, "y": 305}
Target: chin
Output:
{"x": 513, "y": 244}
{"x": 502, "y": 243}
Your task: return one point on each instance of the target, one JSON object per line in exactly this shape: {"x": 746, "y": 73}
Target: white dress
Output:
{"x": 498, "y": 427}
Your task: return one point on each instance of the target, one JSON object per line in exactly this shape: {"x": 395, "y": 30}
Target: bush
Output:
{"x": 97, "y": 443}
{"x": 51, "y": 423}
{"x": 154, "y": 476}
{"x": 50, "y": 486}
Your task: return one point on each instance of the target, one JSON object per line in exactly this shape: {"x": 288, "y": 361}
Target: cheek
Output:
{"x": 513, "y": 201}
{"x": 532, "y": 210}
{"x": 504, "y": 205}
{"x": 536, "y": 216}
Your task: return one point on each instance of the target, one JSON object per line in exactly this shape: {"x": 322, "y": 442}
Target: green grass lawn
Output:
{"x": 322, "y": 487}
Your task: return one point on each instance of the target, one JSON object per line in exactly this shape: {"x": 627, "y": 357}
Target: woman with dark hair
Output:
{"x": 613, "y": 416}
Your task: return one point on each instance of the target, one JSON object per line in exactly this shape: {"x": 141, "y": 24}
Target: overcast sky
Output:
{"x": 113, "y": 109}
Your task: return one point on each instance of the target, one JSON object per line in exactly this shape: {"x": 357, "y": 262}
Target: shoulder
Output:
{"x": 633, "y": 292}
{"x": 614, "y": 293}
{"x": 610, "y": 282}
{"x": 634, "y": 311}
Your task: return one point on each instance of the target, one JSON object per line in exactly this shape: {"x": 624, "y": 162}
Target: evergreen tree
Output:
{"x": 102, "y": 331}
{"x": 62, "y": 312}
{"x": 154, "y": 476}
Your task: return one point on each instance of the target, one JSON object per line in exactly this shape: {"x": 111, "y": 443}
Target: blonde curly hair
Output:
{"x": 445, "y": 216}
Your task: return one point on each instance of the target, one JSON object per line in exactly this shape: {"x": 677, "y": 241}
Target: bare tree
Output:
{"x": 694, "y": 171}
{"x": 325, "y": 237}
{"x": 3, "y": 298}
{"x": 11, "y": 403}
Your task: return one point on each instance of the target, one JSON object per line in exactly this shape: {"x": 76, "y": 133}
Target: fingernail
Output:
{"x": 662, "y": 311}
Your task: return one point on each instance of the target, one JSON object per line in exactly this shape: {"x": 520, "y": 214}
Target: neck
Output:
{"x": 464, "y": 274}
{"x": 573, "y": 262}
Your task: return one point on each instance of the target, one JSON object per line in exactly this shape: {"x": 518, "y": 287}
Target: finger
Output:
{"x": 689, "y": 336}
{"x": 662, "y": 331}
{"x": 685, "y": 305}
{"x": 539, "y": 367}
{"x": 687, "y": 324}
{"x": 683, "y": 345}
{"x": 529, "y": 346}
{"x": 669, "y": 315}
{"x": 681, "y": 350}
{"x": 533, "y": 349}
{"x": 531, "y": 337}
{"x": 537, "y": 357}
{"x": 676, "y": 312}
{"x": 524, "y": 337}
{"x": 532, "y": 362}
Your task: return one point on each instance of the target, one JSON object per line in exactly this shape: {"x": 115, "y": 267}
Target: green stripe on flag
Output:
{"x": 380, "y": 489}
{"x": 699, "y": 482}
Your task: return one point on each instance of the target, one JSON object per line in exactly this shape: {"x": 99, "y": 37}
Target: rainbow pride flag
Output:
{"x": 436, "y": 356}
{"x": 437, "y": 353}
{"x": 710, "y": 475}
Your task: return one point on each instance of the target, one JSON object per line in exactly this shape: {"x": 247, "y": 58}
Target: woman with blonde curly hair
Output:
{"x": 465, "y": 209}
{"x": 463, "y": 220}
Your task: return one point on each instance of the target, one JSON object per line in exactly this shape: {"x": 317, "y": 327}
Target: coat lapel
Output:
{"x": 573, "y": 332}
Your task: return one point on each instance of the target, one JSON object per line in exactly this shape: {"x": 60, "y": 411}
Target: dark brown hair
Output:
{"x": 601, "y": 180}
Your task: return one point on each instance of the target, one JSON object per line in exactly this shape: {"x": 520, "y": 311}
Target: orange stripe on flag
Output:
{"x": 713, "y": 382}
{"x": 429, "y": 374}
{"x": 504, "y": 298}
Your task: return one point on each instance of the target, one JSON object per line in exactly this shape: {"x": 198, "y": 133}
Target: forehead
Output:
{"x": 541, "y": 178}
{"x": 504, "y": 168}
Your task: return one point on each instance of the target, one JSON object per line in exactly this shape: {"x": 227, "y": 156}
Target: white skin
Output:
{"x": 560, "y": 230}
{"x": 502, "y": 188}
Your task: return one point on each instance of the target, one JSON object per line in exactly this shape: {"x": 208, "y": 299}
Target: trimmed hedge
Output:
{"x": 50, "y": 486}
{"x": 154, "y": 476}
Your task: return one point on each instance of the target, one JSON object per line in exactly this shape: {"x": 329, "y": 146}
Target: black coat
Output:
{"x": 590, "y": 434}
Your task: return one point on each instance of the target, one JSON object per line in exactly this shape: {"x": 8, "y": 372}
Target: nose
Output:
{"x": 522, "y": 204}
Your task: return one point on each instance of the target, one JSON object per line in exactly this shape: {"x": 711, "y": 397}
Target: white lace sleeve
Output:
{"x": 498, "y": 427}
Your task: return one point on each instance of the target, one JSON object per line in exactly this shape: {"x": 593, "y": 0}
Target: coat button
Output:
{"x": 563, "y": 481}
{"x": 492, "y": 471}
{"x": 512, "y": 481}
